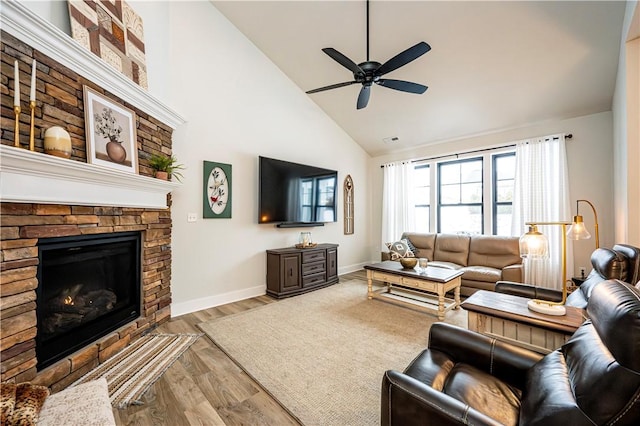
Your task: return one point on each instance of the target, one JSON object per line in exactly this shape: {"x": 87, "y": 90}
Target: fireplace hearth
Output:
{"x": 89, "y": 286}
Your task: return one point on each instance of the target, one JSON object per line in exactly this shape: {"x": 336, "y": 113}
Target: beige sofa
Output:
{"x": 485, "y": 259}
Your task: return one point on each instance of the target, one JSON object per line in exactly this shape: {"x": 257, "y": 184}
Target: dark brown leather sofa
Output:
{"x": 467, "y": 378}
{"x": 622, "y": 262}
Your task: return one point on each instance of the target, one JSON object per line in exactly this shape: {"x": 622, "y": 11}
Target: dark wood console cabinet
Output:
{"x": 292, "y": 271}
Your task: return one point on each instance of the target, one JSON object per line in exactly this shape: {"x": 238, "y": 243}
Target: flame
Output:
{"x": 68, "y": 300}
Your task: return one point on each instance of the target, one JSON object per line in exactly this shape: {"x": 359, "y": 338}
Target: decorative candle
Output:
{"x": 16, "y": 88}
{"x": 32, "y": 96}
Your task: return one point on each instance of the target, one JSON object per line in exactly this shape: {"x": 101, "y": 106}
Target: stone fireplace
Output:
{"x": 88, "y": 286}
{"x": 50, "y": 205}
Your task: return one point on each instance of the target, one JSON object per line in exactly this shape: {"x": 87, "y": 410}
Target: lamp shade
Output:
{"x": 577, "y": 230}
{"x": 534, "y": 244}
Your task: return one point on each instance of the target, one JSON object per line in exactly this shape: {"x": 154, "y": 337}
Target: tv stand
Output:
{"x": 292, "y": 271}
{"x": 299, "y": 224}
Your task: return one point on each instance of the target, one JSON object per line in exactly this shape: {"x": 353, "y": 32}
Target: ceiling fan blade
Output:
{"x": 403, "y": 58}
{"x": 333, "y": 86}
{"x": 403, "y": 86}
{"x": 363, "y": 97}
{"x": 343, "y": 60}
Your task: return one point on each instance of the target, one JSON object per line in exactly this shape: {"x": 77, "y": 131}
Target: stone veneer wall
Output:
{"x": 60, "y": 102}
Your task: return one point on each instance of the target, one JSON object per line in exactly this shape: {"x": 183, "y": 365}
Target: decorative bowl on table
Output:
{"x": 408, "y": 262}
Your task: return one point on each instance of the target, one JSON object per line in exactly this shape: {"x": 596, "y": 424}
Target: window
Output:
{"x": 504, "y": 169}
{"x": 462, "y": 201}
{"x": 422, "y": 195}
{"x": 460, "y": 196}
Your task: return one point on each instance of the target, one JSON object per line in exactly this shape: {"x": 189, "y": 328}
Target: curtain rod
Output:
{"x": 567, "y": 136}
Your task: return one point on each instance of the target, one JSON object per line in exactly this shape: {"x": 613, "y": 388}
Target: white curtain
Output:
{"x": 397, "y": 201}
{"x": 541, "y": 194}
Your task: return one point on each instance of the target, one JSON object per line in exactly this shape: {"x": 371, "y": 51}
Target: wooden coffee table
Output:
{"x": 507, "y": 318}
{"x": 415, "y": 288}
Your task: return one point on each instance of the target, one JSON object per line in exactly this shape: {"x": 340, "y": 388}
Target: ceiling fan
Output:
{"x": 369, "y": 72}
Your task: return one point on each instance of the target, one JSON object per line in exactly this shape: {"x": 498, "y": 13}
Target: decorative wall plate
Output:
{"x": 217, "y": 190}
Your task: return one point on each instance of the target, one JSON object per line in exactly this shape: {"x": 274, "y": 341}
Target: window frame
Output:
{"x": 494, "y": 185}
{"x": 429, "y": 205}
{"x": 489, "y": 186}
{"x": 438, "y": 185}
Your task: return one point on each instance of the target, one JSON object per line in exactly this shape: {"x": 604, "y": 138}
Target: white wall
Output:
{"x": 238, "y": 106}
{"x": 589, "y": 158}
{"x": 626, "y": 115}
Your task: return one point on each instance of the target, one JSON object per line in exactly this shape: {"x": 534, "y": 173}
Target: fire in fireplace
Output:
{"x": 88, "y": 286}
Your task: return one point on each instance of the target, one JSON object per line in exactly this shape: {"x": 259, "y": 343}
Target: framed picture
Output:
{"x": 216, "y": 190}
{"x": 110, "y": 132}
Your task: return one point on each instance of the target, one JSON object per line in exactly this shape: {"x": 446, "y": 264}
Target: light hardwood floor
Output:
{"x": 205, "y": 387}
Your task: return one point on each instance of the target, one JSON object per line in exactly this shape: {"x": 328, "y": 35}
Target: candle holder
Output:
{"x": 32, "y": 106}
{"x": 16, "y": 138}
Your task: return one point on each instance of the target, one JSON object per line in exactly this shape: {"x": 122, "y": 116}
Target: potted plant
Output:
{"x": 164, "y": 166}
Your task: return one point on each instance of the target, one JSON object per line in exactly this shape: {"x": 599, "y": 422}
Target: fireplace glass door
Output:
{"x": 88, "y": 286}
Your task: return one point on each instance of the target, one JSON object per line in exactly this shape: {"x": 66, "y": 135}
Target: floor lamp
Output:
{"x": 577, "y": 230}
{"x": 534, "y": 245}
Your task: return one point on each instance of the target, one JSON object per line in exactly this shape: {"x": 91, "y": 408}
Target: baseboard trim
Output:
{"x": 183, "y": 308}
{"x": 352, "y": 268}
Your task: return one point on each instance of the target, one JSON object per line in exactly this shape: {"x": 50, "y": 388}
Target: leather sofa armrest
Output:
{"x": 507, "y": 362}
{"x": 513, "y": 273}
{"x": 528, "y": 291}
{"x": 409, "y": 402}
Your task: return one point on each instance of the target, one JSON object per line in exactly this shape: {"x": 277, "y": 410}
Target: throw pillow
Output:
{"x": 7, "y": 401}
{"x": 27, "y": 402}
{"x": 413, "y": 248}
{"x": 86, "y": 404}
{"x": 399, "y": 249}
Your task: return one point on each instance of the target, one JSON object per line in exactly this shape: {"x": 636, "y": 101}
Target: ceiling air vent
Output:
{"x": 393, "y": 139}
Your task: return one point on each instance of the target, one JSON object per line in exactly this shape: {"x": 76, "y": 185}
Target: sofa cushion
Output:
{"x": 482, "y": 273}
{"x": 607, "y": 264}
{"x": 484, "y": 392}
{"x": 424, "y": 243}
{"x": 444, "y": 265}
{"x": 452, "y": 248}
{"x": 399, "y": 249}
{"x": 467, "y": 384}
{"x": 513, "y": 273}
{"x": 633, "y": 258}
{"x": 494, "y": 251}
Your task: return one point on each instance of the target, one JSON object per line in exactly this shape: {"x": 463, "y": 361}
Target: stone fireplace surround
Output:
{"x": 44, "y": 196}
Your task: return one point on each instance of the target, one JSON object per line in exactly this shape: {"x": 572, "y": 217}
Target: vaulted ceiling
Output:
{"x": 492, "y": 65}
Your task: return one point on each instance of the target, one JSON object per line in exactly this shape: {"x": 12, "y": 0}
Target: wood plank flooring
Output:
{"x": 205, "y": 387}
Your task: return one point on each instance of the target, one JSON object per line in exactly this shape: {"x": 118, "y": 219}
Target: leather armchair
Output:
{"x": 607, "y": 264}
{"x": 633, "y": 255}
{"x": 467, "y": 378}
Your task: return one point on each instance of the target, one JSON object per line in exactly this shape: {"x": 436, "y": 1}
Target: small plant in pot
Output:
{"x": 164, "y": 166}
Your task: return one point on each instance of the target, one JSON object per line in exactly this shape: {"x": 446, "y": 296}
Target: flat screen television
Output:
{"x": 295, "y": 194}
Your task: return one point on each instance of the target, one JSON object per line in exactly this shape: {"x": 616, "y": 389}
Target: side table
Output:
{"x": 506, "y": 317}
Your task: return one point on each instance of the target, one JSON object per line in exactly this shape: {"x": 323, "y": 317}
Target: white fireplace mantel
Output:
{"x": 33, "y": 177}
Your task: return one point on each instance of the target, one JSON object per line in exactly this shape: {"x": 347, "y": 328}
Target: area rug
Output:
{"x": 134, "y": 369}
{"x": 322, "y": 355}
